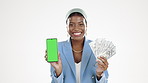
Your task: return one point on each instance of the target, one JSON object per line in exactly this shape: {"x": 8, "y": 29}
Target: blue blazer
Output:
{"x": 88, "y": 67}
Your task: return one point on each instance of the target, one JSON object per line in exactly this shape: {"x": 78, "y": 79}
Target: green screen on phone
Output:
{"x": 52, "y": 50}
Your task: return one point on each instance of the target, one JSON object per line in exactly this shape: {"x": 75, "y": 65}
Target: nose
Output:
{"x": 77, "y": 26}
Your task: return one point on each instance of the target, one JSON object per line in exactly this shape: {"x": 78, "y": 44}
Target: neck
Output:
{"x": 77, "y": 44}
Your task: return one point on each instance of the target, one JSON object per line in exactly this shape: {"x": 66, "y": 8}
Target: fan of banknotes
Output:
{"x": 103, "y": 47}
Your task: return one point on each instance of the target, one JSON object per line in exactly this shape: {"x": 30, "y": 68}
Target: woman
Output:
{"x": 77, "y": 63}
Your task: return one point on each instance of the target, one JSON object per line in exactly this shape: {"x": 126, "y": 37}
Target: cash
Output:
{"x": 103, "y": 47}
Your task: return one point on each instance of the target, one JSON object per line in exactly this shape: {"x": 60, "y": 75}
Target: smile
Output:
{"x": 77, "y": 33}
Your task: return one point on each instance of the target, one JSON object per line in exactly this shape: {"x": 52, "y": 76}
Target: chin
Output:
{"x": 77, "y": 38}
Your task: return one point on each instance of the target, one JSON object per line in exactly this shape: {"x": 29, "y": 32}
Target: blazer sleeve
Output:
{"x": 104, "y": 78}
{"x": 55, "y": 79}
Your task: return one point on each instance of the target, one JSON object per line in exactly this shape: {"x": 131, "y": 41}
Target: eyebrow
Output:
{"x": 78, "y": 22}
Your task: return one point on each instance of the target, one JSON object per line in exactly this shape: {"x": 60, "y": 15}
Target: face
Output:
{"x": 76, "y": 27}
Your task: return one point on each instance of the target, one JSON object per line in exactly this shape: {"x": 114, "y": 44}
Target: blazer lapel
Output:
{"x": 69, "y": 56}
{"x": 85, "y": 57}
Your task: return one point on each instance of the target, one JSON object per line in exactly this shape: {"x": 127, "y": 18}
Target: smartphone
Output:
{"x": 52, "y": 50}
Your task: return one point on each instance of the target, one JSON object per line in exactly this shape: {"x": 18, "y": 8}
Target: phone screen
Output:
{"x": 52, "y": 50}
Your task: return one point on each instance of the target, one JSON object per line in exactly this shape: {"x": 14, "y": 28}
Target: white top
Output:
{"x": 78, "y": 65}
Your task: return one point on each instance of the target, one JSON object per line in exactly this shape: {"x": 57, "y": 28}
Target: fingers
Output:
{"x": 102, "y": 63}
{"x": 58, "y": 54}
{"x": 59, "y": 57}
{"x": 103, "y": 60}
{"x": 45, "y": 55}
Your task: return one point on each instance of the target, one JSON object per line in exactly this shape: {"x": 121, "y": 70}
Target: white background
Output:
{"x": 25, "y": 25}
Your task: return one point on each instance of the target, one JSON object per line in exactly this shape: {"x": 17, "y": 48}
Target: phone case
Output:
{"x": 52, "y": 50}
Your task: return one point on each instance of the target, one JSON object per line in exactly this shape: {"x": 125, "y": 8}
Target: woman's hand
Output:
{"x": 56, "y": 65}
{"x": 102, "y": 66}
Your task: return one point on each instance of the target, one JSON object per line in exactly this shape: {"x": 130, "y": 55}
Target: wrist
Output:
{"x": 58, "y": 72}
{"x": 100, "y": 74}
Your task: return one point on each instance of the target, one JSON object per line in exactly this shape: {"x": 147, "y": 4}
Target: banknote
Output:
{"x": 103, "y": 47}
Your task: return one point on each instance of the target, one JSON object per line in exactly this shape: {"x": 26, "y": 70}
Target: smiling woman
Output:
{"x": 76, "y": 26}
{"x": 77, "y": 63}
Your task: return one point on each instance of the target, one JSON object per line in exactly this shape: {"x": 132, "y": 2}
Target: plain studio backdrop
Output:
{"x": 26, "y": 24}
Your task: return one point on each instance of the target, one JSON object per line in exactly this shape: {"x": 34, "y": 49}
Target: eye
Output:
{"x": 71, "y": 25}
{"x": 81, "y": 24}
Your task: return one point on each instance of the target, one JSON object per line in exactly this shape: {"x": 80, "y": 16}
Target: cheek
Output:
{"x": 68, "y": 30}
{"x": 85, "y": 29}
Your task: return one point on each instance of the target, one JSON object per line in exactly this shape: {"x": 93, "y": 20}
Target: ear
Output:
{"x": 86, "y": 25}
{"x": 86, "y": 28}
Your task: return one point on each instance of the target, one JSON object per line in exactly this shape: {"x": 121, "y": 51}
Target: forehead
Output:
{"x": 76, "y": 19}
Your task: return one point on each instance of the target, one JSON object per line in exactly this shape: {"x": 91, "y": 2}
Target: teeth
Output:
{"x": 76, "y": 33}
